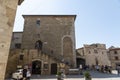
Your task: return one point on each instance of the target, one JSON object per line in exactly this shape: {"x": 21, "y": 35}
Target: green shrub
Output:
{"x": 59, "y": 73}
{"x": 87, "y": 75}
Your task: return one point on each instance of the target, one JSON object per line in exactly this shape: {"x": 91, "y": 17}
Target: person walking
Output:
{"x": 28, "y": 74}
{"x": 24, "y": 73}
{"x": 118, "y": 70}
{"x": 81, "y": 69}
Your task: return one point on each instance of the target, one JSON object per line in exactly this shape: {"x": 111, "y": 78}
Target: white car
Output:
{"x": 18, "y": 75}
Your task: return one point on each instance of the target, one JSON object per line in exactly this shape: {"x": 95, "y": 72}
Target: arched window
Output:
{"x": 38, "y": 45}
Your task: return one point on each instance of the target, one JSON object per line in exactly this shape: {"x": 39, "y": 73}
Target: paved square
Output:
{"x": 95, "y": 76}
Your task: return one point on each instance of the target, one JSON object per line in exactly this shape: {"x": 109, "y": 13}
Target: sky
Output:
{"x": 97, "y": 21}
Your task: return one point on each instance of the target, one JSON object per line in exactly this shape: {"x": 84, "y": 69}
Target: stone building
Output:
{"x": 46, "y": 44}
{"x": 94, "y": 54}
{"x": 114, "y": 56}
{"x": 7, "y": 17}
{"x": 16, "y": 40}
{"x": 80, "y": 57}
{"x": 56, "y": 32}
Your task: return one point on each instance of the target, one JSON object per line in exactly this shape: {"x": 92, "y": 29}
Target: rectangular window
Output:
{"x": 96, "y": 45}
{"x": 45, "y": 66}
{"x": 95, "y": 51}
{"x": 89, "y": 52}
{"x": 102, "y": 52}
{"x": 116, "y": 58}
{"x": 38, "y": 22}
{"x": 115, "y": 52}
{"x": 17, "y": 45}
{"x": 21, "y": 57}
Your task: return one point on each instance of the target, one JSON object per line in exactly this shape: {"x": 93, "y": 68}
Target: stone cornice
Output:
{"x": 20, "y": 1}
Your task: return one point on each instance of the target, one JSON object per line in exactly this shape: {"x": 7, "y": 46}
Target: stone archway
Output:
{"x": 7, "y": 16}
{"x": 36, "y": 67}
{"x": 80, "y": 61}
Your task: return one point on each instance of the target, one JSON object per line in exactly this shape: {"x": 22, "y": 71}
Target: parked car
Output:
{"x": 17, "y": 75}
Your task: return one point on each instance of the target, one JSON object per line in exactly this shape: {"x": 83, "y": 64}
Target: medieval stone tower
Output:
{"x": 7, "y": 16}
{"x": 56, "y": 32}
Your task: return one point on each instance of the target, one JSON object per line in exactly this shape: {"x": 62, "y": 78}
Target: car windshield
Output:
{"x": 19, "y": 70}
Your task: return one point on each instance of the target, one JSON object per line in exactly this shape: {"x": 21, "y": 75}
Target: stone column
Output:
{"x": 7, "y": 16}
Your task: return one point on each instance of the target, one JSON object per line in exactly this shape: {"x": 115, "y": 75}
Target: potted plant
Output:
{"x": 87, "y": 76}
{"x": 59, "y": 76}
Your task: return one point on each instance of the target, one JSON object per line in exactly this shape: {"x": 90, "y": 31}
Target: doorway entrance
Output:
{"x": 80, "y": 61}
{"x": 53, "y": 68}
{"x": 36, "y": 67}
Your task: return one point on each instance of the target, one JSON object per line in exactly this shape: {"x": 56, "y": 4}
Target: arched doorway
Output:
{"x": 80, "y": 61}
{"x": 36, "y": 67}
{"x": 53, "y": 68}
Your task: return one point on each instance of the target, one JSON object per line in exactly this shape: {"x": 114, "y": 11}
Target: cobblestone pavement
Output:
{"x": 95, "y": 76}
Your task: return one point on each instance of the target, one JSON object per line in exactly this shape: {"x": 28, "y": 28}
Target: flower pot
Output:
{"x": 59, "y": 79}
{"x": 88, "y": 78}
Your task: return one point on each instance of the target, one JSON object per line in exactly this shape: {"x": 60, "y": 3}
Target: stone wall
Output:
{"x": 16, "y": 39}
{"x": 95, "y": 54}
{"x": 114, "y": 56}
{"x": 52, "y": 30}
{"x": 7, "y": 16}
{"x": 29, "y": 56}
